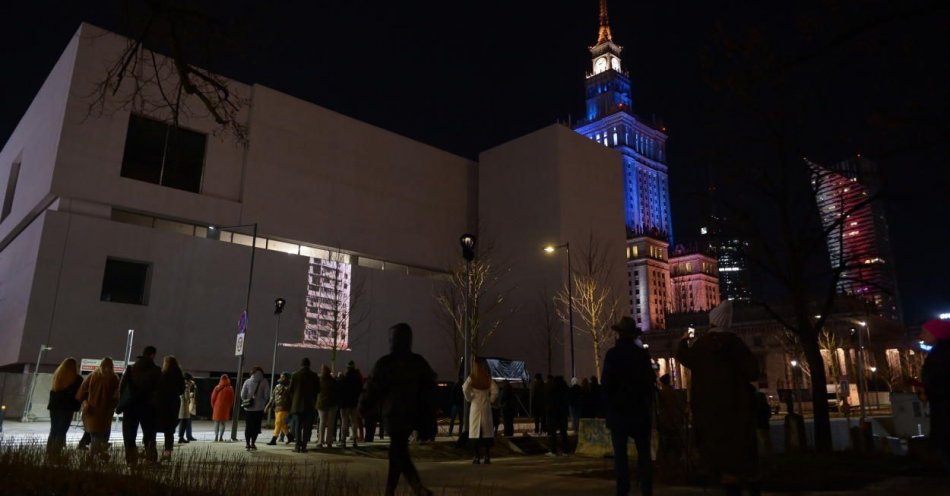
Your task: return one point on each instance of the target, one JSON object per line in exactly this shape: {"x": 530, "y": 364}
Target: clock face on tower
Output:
{"x": 600, "y": 65}
{"x": 615, "y": 64}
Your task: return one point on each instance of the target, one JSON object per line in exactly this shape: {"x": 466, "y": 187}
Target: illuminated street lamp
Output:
{"x": 550, "y": 249}
{"x": 278, "y": 309}
{"x": 467, "y": 242}
{"x": 796, "y": 392}
{"x": 36, "y": 371}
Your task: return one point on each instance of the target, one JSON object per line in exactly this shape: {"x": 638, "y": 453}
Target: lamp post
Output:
{"x": 795, "y": 390}
{"x": 468, "y": 253}
{"x": 862, "y": 374}
{"x": 29, "y": 399}
{"x": 570, "y": 295}
{"x": 278, "y": 309}
{"x": 214, "y": 232}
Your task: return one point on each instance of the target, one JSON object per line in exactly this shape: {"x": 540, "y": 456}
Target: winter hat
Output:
{"x": 721, "y": 316}
{"x": 627, "y": 327}
{"x": 940, "y": 329}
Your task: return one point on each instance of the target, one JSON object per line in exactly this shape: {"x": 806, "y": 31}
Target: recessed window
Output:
{"x": 10, "y": 190}
{"x": 161, "y": 154}
{"x": 125, "y": 281}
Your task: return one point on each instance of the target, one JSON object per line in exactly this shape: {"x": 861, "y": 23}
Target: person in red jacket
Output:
{"x": 222, "y": 400}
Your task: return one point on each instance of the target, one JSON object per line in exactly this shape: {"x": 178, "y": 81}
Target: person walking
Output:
{"x": 574, "y": 404}
{"x": 138, "y": 404}
{"x": 722, "y": 402}
{"x": 936, "y": 378}
{"x": 327, "y": 404}
{"x": 595, "y": 400}
{"x": 350, "y": 388}
{"x": 556, "y": 398}
{"x": 403, "y": 385}
{"x": 170, "y": 388}
{"x": 537, "y": 404}
{"x": 303, "y": 391}
{"x": 99, "y": 395}
{"x": 187, "y": 409}
{"x": 280, "y": 404}
{"x": 480, "y": 391}
{"x": 255, "y": 395}
{"x": 222, "y": 401}
{"x": 509, "y": 407}
{"x": 629, "y": 391}
{"x": 62, "y": 404}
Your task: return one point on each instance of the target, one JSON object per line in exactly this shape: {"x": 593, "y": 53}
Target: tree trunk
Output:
{"x": 819, "y": 392}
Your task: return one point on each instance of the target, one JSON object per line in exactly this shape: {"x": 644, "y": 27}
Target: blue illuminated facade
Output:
{"x": 609, "y": 120}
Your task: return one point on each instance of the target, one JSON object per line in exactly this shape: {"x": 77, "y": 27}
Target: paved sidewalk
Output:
{"x": 507, "y": 476}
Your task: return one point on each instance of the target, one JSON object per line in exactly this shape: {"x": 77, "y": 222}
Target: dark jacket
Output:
{"x": 936, "y": 377}
{"x": 629, "y": 387}
{"x": 555, "y": 401}
{"x": 303, "y": 390}
{"x": 722, "y": 401}
{"x": 65, "y": 399}
{"x": 404, "y": 386}
{"x": 328, "y": 399}
{"x": 574, "y": 397}
{"x": 140, "y": 382}
{"x": 350, "y": 388}
{"x": 537, "y": 398}
{"x": 171, "y": 385}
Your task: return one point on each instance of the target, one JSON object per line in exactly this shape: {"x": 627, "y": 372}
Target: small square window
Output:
{"x": 125, "y": 281}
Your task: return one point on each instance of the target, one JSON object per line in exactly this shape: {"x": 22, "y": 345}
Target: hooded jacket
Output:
{"x": 142, "y": 381}
{"x": 303, "y": 390}
{"x": 222, "y": 400}
{"x": 404, "y": 386}
{"x": 258, "y": 389}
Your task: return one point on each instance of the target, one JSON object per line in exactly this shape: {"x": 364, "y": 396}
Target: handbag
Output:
{"x": 249, "y": 403}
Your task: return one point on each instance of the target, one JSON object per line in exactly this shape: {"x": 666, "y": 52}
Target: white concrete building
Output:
{"x": 106, "y": 227}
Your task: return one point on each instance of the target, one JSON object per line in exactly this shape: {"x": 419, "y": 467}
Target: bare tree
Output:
{"x": 346, "y": 310}
{"x": 595, "y": 304}
{"x": 546, "y": 325}
{"x": 490, "y": 305}
{"x": 179, "y": 84}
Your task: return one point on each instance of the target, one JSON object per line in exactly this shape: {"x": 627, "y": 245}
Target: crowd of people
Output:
{"x": 726, "y": 413}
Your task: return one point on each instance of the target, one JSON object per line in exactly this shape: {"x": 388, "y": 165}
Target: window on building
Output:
{"x": 161, "y": 154}
{"x": 125, "y": 281}
{"x": 10, "y": 190}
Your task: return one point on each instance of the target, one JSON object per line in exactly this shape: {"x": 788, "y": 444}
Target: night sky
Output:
{"x": 864, "y": 77}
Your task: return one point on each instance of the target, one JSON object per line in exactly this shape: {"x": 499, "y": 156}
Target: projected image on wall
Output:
{"x": 327, "y": 312}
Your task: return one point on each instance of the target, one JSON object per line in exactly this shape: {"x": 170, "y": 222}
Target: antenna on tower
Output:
{"x": 603, "y": 34}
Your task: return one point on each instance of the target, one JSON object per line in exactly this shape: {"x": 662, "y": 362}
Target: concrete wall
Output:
{"x": 548, "y": 187}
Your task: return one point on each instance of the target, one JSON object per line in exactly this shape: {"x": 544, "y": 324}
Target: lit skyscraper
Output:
{"x": 733, "y": 267}
{"x": 609, "y": 120}
{"x": 859, "y": 244}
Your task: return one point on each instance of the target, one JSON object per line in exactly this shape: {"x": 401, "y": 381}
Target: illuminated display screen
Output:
{"x": 327, "y": 311}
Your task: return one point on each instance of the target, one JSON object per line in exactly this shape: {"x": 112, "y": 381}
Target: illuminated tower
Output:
{"x": 609, "y": 120}
{"x": 859, "y": 244}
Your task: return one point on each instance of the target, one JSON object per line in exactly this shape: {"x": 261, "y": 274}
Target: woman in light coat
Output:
{"x": 481, "y": 392}
{"x": 186, "y": 410}
{"x": 256, "y": 391}
{"x": 99, "y": 395}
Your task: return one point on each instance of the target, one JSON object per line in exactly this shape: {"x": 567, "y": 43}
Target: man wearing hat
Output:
{"x": 629, "y": 384}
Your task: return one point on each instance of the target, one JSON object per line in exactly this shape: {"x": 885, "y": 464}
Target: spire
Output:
{"x": 603, "y": 35}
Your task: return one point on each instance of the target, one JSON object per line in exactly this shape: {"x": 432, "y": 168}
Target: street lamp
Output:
{"x": 29, "y": 399}
{"x": 467, "y": 241}
{"x": 278, "y": 309}
{"x": 795, "y": 390}
{"x": 549, "y": 249}
{"x": 214, "y": 232}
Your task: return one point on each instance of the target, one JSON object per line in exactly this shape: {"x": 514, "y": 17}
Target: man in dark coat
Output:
{"x": 537, "y": 403}
{"x": 303, "y": 390}
{"x": 556, "y": 411}
{"x": 350, "y": 388}
{"x": 456, "y": 408}
{"x": 404, "y": 385}
{"x": 723, "y": 402}
{"x": 629, "y": 389}
{"x": 139, "y": 402}
{"x": 936, "y": 376}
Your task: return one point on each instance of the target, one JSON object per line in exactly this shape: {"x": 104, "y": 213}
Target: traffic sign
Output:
{"x": 239, "y": 346}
